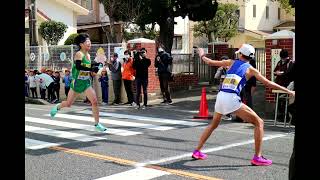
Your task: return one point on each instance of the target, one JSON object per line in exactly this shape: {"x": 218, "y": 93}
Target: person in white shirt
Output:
{"x": 33, "y": 84}
{"x": 48, "y": 80}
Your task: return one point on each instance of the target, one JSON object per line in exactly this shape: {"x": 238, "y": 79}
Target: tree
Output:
{"x": 287, "y": 5}
{"x": 70, "y": 39}
{"x": 224, "y": 25}
{"x": 134, "y": 31}
{"x": 111, "y": 7}
{"x": 161, "y": 12}
{"x": 52, "y": 31}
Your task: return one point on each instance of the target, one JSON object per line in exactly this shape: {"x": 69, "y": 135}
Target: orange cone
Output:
{"x": 204, "y": 111}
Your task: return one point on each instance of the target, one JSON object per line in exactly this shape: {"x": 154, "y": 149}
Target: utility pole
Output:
{"x": 32, "y": 23}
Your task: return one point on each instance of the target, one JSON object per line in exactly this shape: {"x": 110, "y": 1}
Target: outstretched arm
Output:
{"x": 211, "y": 62}
{"x": 269, "y": 83}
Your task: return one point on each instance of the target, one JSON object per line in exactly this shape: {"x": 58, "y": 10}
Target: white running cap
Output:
{"x": 247, "y": 50}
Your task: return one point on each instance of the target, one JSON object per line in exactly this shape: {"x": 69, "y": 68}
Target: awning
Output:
{"x": 94, "y": 25}
{"x": 286, "y": 25}
{"x": 42, "y": 15}
{"x": 257, "y": 34}
{"x": 74, "y": 6}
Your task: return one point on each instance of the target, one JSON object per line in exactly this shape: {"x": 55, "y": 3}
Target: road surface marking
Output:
{"x": 119, "y": 132}
{"x": 116, "y": 122}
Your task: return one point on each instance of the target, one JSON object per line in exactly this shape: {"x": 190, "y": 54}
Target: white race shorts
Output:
{"x": 227, "y": 103}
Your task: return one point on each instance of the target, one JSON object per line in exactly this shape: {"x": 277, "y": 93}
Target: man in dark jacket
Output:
{"x": 163, "y": 62}
{"x": 141, "y": 64}
{"x": 115, "y": 68}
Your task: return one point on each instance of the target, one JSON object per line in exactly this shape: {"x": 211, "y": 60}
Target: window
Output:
{"x": 177, "y": 42}
{"x": 87, "y": 4}
{"x": 267, "y": 12}
{"x": 254, "y": 11}
{"x": 238, "y": 14}
{"x": 279, "y": 11}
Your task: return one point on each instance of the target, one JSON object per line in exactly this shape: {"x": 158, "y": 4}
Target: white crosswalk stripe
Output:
{"x": 35, "y": 144}
{"x": 125, "y": 122}
{"x": 144, "y": 118}
{"x": 115, "y": 122}
{"x": 119, "y": 132}
{"x": 62, "y": 134}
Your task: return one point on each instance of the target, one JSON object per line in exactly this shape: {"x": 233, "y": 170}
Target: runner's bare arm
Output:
{"x": 266, "y": 82}
{"x": 210, "y": 62}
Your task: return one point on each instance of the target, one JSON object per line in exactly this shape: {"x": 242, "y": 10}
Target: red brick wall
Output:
{"x": 220, "y": 50}
{"x": 153, "y": 84}
{"x": 183, "y": 81}
{"x": 282, "y": 44}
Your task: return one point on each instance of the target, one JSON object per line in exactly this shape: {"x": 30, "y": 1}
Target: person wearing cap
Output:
{"x": 248, "y": 89}
{"x": 220, "y": 75}
{"x": 228, "y": 99}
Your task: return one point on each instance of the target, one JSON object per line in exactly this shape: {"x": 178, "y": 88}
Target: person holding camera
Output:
{"x": 163, "y": 62}
{"x": 141, "y": 64}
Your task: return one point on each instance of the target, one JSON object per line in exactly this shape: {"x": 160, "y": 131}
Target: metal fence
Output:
{"x": 260, "y": 56}
{"x": 191, "y": 64}
{"x": 183, "y": 63}
{"x": 60, "y": 57}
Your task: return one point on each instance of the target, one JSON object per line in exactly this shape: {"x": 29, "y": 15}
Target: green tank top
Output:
{"x": 81, "y": 74}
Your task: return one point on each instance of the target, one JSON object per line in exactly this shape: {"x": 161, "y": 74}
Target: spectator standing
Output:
{"x": 128, "y": 76}
{"x": 163, "y": 62}
{"x": 104, "y": 80}
{"x": 141, "y": 64}
{"x": 115, "y": 68}
{"x": 33, "y": 84}
{"x": 67, "y": 80}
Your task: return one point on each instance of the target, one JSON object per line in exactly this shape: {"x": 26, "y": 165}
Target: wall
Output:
{"x": 182, "y": 28}
{"x": 260, "y": 22}
{"x": 57, "y": 12}
{"x": 153, "y": 81}
{"x": 183, "y": 82}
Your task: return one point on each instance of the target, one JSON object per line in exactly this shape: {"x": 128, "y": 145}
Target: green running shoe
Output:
{"x": 100, "y": 127}
{"x": 54, "y": 110}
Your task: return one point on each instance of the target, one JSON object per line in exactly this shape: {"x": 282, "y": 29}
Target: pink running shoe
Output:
{"x": 260, "y": 161}
{"x": 199, "y": 155}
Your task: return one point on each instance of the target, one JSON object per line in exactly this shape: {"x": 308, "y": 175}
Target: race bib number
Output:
{"x": 84, "y": 75}
{"x": 231, "y": 81}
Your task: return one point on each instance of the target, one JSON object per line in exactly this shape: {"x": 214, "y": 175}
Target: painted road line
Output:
{"x": 131, "y": 163}
{"x": 113, "y": 131}
{"x": 164, "y": 160}
{"x": 35, "y": 144}
{"x": 62, "y": 134}
{"x": 145, "y": 118}
{"x": 140, "y": 173}
{"x": 116, "y": 122}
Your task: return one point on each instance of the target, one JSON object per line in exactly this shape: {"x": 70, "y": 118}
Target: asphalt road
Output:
{"x": 155, "y": 143}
